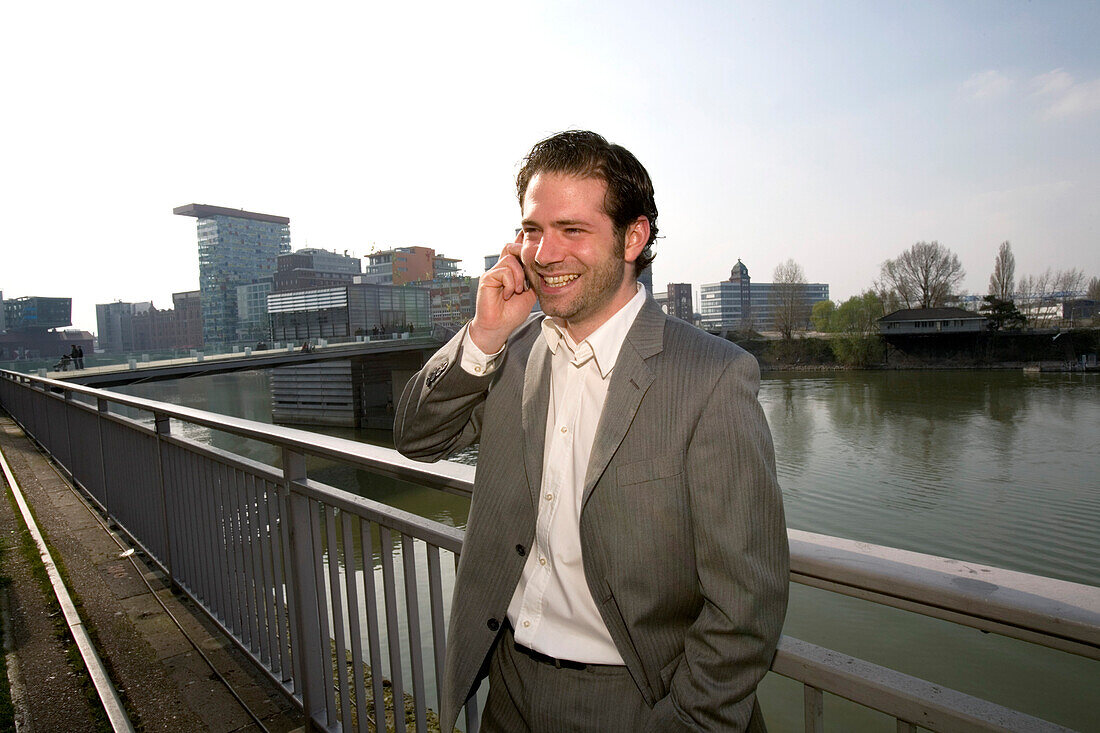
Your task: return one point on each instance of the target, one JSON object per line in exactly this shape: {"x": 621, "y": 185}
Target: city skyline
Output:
{"x": 833, "y": 135}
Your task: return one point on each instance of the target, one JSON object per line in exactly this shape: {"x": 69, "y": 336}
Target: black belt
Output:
{"x": 552, "y": 661}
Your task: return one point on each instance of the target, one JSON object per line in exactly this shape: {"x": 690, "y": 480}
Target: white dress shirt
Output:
{"x": 552, "y": 610}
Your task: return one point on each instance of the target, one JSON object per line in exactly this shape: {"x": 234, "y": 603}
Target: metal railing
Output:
{"x": 286, "y": 566}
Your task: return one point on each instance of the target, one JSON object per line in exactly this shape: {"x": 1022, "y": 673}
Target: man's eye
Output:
{"x": 573, "y": 230}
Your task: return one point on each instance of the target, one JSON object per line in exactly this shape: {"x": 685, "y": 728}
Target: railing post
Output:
{"x": 306, "y": 634}
{"x": 163, "y": 426}
{"x": 102, "y": 407}
{"x": 69, "y": 437}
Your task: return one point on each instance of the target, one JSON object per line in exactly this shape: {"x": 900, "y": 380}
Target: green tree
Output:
{"x": 821, "y": 315}
{"x": 1002, "y": 314}
{"x": 856, "y": 319}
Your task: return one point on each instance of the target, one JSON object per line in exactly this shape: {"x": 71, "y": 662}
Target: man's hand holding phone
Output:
{"x": 504, "y": 300}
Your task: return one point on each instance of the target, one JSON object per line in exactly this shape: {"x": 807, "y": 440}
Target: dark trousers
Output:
{"x": 529, "y": 695}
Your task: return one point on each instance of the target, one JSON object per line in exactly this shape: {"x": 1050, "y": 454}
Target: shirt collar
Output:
{"x": 605, "y": 342}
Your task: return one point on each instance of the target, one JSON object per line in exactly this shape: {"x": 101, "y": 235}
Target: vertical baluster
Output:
{"x": 227, "y": 527}
{"x": 412, "y": 614}
{"x": 813, "y": 709}
{"x": 336, "y": 595}
{"x": 322, "y": 608}
{"x": 163, "y": 427}
{"x": 374, "y": 630}
{"x": 101, "y": 428}
{"x": 354, "y": 631}
{"x": 285, "y": 589}
{"x": 244, "y": 560}
{"x": 217, "y": 540}
{"x": 256, "y": 571}
{"x": 272, "y": 583}
{"x": 309, "y": 657}
{"x": 393, "y": 636}
{"x": 204, "y": 481}
{"x": 439, "y": 631}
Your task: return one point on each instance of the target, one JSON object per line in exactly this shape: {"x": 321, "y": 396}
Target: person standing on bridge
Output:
{"x": 625, "y": 566}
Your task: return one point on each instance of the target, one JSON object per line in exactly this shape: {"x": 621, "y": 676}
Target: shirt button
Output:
{"x": 526, "y": 624}
{"x": 564, "y": 429}
{"x": 477, "y": 369}
{"x": 542, "y": 561}
{"x": 549, "y": 497}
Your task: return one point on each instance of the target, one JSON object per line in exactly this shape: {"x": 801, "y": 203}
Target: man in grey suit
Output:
{"x": 625, "y": 563}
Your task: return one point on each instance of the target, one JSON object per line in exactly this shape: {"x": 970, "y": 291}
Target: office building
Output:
{"x": 308, "y": 269}
{"x": 403, "y": 265}
{"x": 345, "y": 312}
{"x": 738, "y": 304}
{"x": 236, "y": 247}
{"x": 37, "y": 314}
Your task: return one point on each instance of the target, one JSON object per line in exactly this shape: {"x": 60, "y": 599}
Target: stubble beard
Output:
{"x": 599, "y": 287}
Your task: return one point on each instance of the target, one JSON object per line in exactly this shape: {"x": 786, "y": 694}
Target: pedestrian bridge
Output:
{"x": 331, "y": 593}
{"x": 284, "y": 355}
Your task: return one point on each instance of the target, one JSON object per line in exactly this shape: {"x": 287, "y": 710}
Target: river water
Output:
{"x": 999, "y": 468}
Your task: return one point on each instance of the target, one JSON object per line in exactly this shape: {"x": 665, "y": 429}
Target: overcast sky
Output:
{"x": 836, "y": 134}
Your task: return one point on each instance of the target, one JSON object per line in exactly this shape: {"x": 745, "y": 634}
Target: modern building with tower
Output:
{"x": 738, "y": 304}
{"x": 236, "y": 247}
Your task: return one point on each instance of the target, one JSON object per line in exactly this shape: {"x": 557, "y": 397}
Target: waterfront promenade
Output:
{"x": 153, "y": 641}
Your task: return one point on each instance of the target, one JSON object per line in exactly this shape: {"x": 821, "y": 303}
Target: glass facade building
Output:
{"x": 236, "y": 247}
{"x": 344, "y": 312}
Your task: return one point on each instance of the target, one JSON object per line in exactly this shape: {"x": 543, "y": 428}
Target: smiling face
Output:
{"x": 579, "y": 268}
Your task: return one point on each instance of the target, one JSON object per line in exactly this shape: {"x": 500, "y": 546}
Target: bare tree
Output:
{"x": 1068, "y": 284}
{"x": 788, "y": 298}
{"x": 1034, "y": 292}
{"x": 1093, "y": 292}
{"x": 923, "y": 276}
{"x": 1003, "y": 280}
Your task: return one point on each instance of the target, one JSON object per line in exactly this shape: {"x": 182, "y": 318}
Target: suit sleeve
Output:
{"x": 441, "y": 406}
{"x": 740, "y": 542}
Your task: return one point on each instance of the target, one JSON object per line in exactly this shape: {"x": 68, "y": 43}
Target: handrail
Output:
{"x": 1054, "y": 613}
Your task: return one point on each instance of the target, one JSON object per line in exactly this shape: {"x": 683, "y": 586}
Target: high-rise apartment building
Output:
{"x": 236, "y": 247}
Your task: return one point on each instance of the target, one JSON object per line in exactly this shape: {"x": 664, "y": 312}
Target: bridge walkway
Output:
{"x": 154, "y": 652}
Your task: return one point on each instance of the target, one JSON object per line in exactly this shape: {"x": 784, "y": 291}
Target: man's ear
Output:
{"x": 635, "y": 239}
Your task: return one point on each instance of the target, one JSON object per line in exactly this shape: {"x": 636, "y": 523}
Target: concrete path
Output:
{"x": 165, "y": 683}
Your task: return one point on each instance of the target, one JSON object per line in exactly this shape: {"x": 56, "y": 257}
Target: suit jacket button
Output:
{"x": 493, "y": 624}
{"x": 521, "y": 550}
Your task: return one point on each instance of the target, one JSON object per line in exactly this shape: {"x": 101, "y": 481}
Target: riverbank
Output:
{"x": 1054, "y": 351}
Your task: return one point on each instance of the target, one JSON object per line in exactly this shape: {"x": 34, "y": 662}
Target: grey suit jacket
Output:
{"x": 682, "y": 528}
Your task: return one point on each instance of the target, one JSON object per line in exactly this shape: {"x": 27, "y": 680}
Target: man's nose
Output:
{"x": 550, "y": 249}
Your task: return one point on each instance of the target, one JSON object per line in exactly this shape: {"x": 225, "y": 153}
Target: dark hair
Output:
{"x": 588, "y": 155}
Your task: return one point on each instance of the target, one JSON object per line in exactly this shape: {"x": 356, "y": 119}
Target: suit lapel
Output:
{"x": 629, "y": 382}
{"x": 536, "y": 402}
